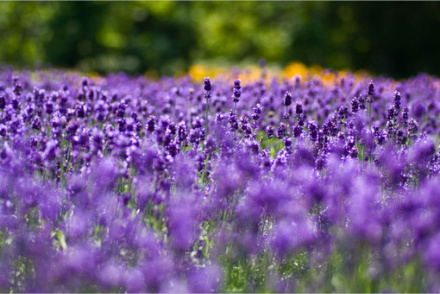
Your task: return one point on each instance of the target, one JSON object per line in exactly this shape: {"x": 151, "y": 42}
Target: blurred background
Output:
{"x": 396, "y": 39}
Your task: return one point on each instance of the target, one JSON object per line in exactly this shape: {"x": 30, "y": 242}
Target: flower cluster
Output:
{"x": 123, "y": 184}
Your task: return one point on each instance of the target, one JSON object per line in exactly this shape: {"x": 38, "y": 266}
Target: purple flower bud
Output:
{"x": 355, "y": 105}
{"x": 151, "y": 123}
{"x": 236, "y": 95}
{"x": 397, "y": 100}
{"x": 281, "y": 131}
{"x": 121, "y": 110}
{"x": 313, "y": 129}
{"x": 237, "y": 84}
{"x": 413, "y": 126}
{"x": 401, "y": 138}
{"x": 2, "y": 130}
{"x": 17, "y": 86}
{"x": 354, "y": 152}
{"x": 405, "y": 116}
{"x": 287, "y": 99}
{"x": 254, "y": 147}
{"x": 362, "y": 102}
{"x": 15, "y": 103}
{"x": 381, "y": 138}
{"x": 343, "y": 112}
{"x": 297, "y": 131}
{"x": 85, "y": 81}
{"x": 202, "y": 134}
{"x": 219, "y": 118}
{"x": 390, "y": 114}
{"x": 80, "y": 111}
{"x": 257, "y": 109}
{"x": 6, "y": 151}
{"x": 2, "y": 101}
{"x": 36, "y": 124}
{"x": 50, "y": 152}
{"x": 122, "y": 124}
{"x": 299, "y": 108}
{"x": 233, "y": 122}
{"x": 371, "y": 89}
{"x": 49, "y": 107}
{"x": 207, "y": 84}
{"x": 256, "y": 112}
{"x": 269, "y": 132}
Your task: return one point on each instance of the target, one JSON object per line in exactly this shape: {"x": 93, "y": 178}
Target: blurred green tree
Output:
{"x": 397, "y": 39}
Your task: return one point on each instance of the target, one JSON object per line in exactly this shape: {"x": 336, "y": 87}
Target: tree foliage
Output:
{"x": 381, "y": 37}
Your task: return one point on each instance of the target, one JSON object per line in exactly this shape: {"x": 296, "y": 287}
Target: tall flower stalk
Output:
{"x": 236, "y": 94}
{"x": 287, "y": 102}
{"x": 370, "y": 101}
{"x": 207, "y": 87}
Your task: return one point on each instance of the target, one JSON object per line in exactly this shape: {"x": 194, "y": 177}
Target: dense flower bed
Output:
{"x": 128, "y": 184}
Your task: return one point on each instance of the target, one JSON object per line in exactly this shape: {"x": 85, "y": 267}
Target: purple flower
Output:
{"x": 289, "y": 236}
{"x": 110, "y": 276}
{"x": 207, "y": 84}
{"x": 281, "y": 131}
{"x": 205, "y": 279}
{"x": 371, "y": 89}
{"x": 397, "y": 100}
{"x": 287, "y": 99}
{"x": 269, "y": 132}
{"x": 355, "y": 105}
{"x": 182, "y": 224}
{"x": 431, "y": 255}
{"x": 299, "y": 108}
{"x": 133, "y": 281}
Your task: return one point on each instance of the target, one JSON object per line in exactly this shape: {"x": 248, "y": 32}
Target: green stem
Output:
{"x": 206, "y": 122}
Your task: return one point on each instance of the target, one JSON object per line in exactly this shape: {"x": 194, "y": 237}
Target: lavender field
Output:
{"x": 294, "y": 184}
